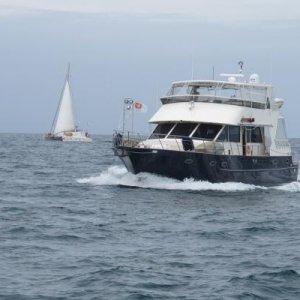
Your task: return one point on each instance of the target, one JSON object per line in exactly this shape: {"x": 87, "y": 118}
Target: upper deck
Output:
{"x": 227, "y": 92}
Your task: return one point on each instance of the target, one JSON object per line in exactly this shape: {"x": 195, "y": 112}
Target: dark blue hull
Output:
{"x": 256, "y": 170}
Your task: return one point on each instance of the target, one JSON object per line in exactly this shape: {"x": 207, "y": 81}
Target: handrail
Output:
{"x": 132, "y": 139}
{"x": 204, "y": 98}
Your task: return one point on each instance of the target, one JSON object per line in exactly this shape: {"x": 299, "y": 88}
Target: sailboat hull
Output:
{"x": 70, "y": 136}
{"x": 265, "y": 171}
{"x": 51, "y": 137}
{"x": 76, "y": 136}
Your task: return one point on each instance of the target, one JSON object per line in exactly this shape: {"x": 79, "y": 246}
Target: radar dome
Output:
{"x": 254, "y": 78}
{"x": 231, "y": 79}
{"x": 279, "y": 102}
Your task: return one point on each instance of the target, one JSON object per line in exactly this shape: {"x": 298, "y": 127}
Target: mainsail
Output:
{"x": 65, "y": 119}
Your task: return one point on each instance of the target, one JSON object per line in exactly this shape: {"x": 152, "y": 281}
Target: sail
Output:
{"x": 65, "y": 119}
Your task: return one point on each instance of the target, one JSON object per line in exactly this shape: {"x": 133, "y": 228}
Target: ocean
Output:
{"x": 75, "y": 225}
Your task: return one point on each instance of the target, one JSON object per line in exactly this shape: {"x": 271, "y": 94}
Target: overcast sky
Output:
{"x": 122, "y": 48}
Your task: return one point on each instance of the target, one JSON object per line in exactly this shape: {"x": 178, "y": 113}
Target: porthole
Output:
{"x": 212, "y": 163}
{"x": 188, "y": 161}
{"x": 224, "y": 164}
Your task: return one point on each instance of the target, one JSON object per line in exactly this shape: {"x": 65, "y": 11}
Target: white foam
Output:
{"x": 117, "y": 175}
{"x": 293, "y": 187}
{"x": 290, "y": 187}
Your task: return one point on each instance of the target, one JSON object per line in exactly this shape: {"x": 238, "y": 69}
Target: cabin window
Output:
{"x": 161, "y": 130}
{"x": 177, "y": 90}
{"x": 281, "y": 130}
{"x": 223, "y": 137}
{"x": 182, "y": 129}
{"x": 230, "y": 134}
{"x": 207, "y": 131}
{"x": 254, "y": 134}
{"x": 193, "y": 90}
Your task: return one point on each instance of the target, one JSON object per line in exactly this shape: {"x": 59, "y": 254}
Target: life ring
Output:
{"x": 248, "y": 150}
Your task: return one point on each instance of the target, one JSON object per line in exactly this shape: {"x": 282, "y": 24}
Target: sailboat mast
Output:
{"x": 68, "y": 72}
{"x": 71, "y": 94}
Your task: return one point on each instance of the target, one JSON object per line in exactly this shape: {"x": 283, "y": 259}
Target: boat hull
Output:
{"x": 72, "y": 136}
{"x": 53, "y": 138}
{"x": 258, "y": 170}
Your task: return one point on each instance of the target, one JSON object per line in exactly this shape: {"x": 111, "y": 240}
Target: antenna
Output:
{"x": 233, "y": 77}
{"x": 69, "y": 71}
{"x": 271, "y": 68}
{"x": 240, "y": 63}
{"x": 193, "y": 61}
{"x": 213, "y": 73}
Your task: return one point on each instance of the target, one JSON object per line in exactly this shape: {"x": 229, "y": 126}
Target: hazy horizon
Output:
{"x": 137, "y": 50}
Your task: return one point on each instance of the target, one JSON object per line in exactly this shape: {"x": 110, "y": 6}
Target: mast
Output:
{"x": 68, "y": 72}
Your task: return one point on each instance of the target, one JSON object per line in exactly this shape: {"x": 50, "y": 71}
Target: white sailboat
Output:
{"x": 64, "y": 125}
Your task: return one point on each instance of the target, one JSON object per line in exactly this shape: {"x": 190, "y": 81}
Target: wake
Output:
{"x": 119, "y": 176}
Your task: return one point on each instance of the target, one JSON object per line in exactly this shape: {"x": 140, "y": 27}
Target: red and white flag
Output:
{"x": 139, "y": 106}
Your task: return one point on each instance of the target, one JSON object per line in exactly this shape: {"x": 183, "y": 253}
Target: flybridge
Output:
{"x": 250, "y": 94}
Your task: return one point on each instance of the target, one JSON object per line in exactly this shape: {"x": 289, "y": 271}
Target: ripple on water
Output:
{"x": 74, "y": 224}
{"x": 282, "y": 284}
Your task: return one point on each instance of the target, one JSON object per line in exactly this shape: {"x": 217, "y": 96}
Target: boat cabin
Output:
{"x": 220, "y": 117}
{"x": 208, "y": 137}
{"x": 250, "y": 94}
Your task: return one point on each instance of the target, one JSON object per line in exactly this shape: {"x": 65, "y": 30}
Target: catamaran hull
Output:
{"x": 76, "y": 136}
{"x": 265, "y": 171}
{"x": 53, "y": 138}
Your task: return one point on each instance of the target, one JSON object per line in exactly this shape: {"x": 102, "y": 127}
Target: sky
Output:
{"x": 136, "y": 48}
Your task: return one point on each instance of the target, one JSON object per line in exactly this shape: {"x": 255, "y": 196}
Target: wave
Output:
{"x": 290, "y": 187}
{"x": 288, "y": 274}
{"x": 257, "y": 229}
{"x": 119, "y": 176}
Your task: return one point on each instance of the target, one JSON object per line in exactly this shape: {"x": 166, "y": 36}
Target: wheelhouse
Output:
{"x": 234, "y": 93}
{"x": 224, "y": 139}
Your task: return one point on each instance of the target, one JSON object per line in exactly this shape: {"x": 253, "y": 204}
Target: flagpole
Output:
{"x": 132, "y": 115}
{"x": 123, "y": 115}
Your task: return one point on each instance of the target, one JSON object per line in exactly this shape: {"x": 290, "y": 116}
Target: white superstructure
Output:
{"x": 243, "y": 117}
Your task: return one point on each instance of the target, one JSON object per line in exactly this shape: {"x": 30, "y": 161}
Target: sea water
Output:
{"x": 74, "y": 224}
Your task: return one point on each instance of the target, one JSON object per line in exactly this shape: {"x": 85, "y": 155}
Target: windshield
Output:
{"x": 161, "y": 130}
{"x": 190, "y": 89}
{"x": 207, "y": 131}
{"x": 182, "y": 129}
{"x": 221, "y": 90}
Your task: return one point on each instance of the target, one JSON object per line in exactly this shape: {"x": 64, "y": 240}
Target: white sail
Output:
{"x": 64, "y": 126}
{"x": 65, "y": 119}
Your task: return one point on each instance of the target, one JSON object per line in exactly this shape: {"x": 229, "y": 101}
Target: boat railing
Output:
{"x": 180, "y": 143}
{"x": 231, "y": 100}
{"x": 127, "y": 139}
